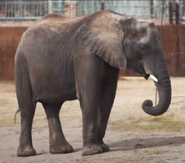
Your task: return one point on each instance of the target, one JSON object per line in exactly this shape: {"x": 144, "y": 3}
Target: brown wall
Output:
{"x": 10, "y": 37}
{"x": 9, "y": 40}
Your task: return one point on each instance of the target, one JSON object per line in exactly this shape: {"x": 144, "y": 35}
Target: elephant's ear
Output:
{"x": 104, "y": 38}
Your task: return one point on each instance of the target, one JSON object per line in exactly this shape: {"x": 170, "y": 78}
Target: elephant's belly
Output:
{"x": 53, "y": 91}
{"x": 55, "y": 97}
{"x": 52, "y": 85}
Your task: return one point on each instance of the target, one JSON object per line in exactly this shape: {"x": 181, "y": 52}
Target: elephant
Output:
{"x": 60, "y": 59}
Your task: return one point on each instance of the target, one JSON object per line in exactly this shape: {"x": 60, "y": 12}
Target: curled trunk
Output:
{"x": 164, "y": 89}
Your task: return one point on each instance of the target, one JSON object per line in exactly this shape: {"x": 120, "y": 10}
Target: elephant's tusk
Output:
{"x": 154, "y": 78}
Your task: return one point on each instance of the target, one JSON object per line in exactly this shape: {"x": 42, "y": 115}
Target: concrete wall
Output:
{"x": 10, "y": 37}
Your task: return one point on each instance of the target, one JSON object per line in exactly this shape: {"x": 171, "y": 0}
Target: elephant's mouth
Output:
{"x": 143, "y": 73}
{"x": 146, "y": 75}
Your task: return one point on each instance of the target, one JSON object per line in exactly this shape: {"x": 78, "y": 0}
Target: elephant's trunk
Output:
{"x": 164, "y": 89}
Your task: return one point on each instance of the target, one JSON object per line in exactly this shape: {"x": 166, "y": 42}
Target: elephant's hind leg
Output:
{"x": 25, "y": 141}
{"x": 58, "y": 143}
{"x": 26, "y": 106}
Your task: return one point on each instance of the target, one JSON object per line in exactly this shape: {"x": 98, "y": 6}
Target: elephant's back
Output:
{"x": 53, "y": 31}
{"x": 56, "y": 16}
{"x": 46, "y": 37}
{"x": 54, "y": 24}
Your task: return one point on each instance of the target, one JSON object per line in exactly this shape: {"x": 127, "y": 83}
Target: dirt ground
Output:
{"x": 133, "y": 136}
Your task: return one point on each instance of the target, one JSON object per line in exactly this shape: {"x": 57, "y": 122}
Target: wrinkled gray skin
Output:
{"x": 61, "y": 59}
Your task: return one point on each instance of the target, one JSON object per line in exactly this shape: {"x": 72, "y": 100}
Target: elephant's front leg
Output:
{"x": 89, "y": 101}
{"x": 107, "y": 100}
{"x": 89, "y": 107}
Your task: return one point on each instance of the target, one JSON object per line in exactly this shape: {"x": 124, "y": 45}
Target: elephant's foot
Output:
{"x": 91, "y": 149}
{"x": 105, "y": 147}
{"x": 25, "y": 151}
{"x": 56, "y": 149}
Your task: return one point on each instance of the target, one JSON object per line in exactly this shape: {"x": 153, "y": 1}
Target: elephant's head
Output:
{"x": 125, "y": 42}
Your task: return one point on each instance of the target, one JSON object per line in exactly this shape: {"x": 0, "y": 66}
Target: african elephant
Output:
{"x": 60, "y": 59}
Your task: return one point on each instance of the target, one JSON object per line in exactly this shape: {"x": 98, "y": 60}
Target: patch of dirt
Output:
{"x": 133, "y": 136}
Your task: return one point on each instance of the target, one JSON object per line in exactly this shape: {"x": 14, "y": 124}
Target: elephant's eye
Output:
{"x": 143, "y": 48}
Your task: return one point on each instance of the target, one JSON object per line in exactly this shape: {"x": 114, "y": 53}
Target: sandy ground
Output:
{"x": 133, "y": 136}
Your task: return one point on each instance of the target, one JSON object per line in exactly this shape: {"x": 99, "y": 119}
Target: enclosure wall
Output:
{"x": 10, "y": 37}
{"x": 9, "y": 40}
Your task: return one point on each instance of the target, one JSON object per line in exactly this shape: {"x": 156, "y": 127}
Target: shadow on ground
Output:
{"x": 132, "y": 144}
{"x": 146, "y": 143}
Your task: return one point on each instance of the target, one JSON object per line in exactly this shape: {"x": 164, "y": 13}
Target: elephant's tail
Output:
{"x": 18, "y": 110}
